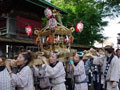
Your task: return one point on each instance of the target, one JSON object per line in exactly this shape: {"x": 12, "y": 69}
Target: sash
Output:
{"x": 107, "y": 68}
{"x": 108, "y": 65}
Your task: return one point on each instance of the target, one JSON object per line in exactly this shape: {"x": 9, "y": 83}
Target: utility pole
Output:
{"x": 118, "y": 40}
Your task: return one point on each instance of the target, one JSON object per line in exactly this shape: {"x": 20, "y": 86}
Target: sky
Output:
{"x": 112, "y": 30}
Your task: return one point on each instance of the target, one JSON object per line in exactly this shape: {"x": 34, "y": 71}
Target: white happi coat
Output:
{"x": 24, "y": 79}
{"x": 5, "y": 80}
{"x": 119, "y": 68}
{"x": 113, "y": 72}
{"x": 44, "y": 81}
{"x": 57, "y": 76}
{"x": 80, "y": 76}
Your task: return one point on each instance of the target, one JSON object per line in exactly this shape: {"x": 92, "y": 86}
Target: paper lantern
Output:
{"x": 79, "y": 27}
{"x": 48, "y": 13}
{"x": 52, "y": 23}
{"x": 28, "y": 30}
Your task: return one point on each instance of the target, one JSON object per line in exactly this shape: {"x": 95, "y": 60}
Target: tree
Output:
{"x": 109, "y": 7}
{"x": 48, "y": 1}
{"x": 85, "y": 11}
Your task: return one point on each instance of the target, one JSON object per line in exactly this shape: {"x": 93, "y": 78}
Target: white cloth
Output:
{"x": 80, "y": 76}
{"x": 57, "y": 75}
{"x": 82, "y": 86}
{"x": 119, "y": 68}
{"x": 24, "y": 79}
{"x": 59, "y": 87}
{"x": 44, "y": 81}
{"x": 117, "y": 88}
{"x": 109, "y": 86}
{"x": 113, "y": 72}
{"x": 5, "y": 80}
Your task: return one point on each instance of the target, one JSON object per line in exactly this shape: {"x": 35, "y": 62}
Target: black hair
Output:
{"x": 109, "y": 50}
{"x": 80, "y": 57}
{"x": 78, "y": 54}
{"x": 117, "y": 50}
{"x": 27, "y": 56}
{"x": 57, "y": 54}
{"x": 100, "y": 49}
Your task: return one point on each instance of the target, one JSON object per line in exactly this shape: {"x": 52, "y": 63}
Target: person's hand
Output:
{"x": 89, "y": 55}
{"x": 71, "y": 58}
{"x": 44, "y": 59}
{"x": 92, "y": 50}
{"x": 40, "y": 66}
{"x": 8, "y": 62}
{"x": 13, "y": 63}
{"x": 71, "y": 62}
{"x": 8, "y": 67}
{"x": 114, "y": 84}
{"x": 34, "y": 66}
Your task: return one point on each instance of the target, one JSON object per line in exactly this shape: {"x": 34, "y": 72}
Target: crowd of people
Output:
{"x": 99, "y": 68}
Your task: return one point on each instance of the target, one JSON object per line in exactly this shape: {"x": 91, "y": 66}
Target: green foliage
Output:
{"x": 44, "y": 21}
{"x": 88, "y": 12}
{"x": 109, "y": 7}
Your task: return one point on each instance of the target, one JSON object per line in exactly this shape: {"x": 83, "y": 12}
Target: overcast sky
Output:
{"x": 112, "y": 30}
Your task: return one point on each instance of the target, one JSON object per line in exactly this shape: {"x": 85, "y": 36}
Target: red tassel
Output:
{"x": 72, "y": 39}
{"x": 50, "y": 39}
{"x": 36, "y": 41}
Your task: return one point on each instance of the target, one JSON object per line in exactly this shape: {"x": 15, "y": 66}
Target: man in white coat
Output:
{"x": 79, "y": 73}
{"x": 44, "y": 81}
{"x": 110, "y": 65}
{"x": 118, "y": 55}
{"x": 23, "y": 80}
{"x": 5, "y": 80}
{"x": 56, "y": 72}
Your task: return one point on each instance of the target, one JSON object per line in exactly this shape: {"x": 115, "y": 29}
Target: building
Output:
{"x": 15, "y": 15}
